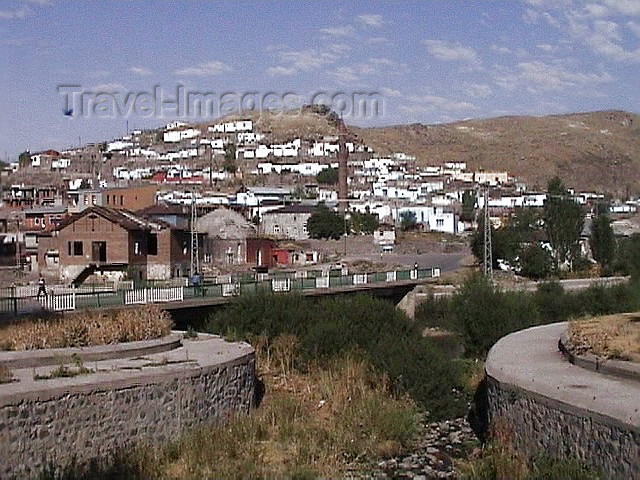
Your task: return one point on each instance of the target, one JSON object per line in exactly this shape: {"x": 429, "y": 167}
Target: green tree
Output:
{"x": 563, "y": 221}
{"x": 364, "y": 222}
{"x": 535, "y": 262}
{"x": 468, "y": 206}
{"x": 628, "y": 256}
{"x": 603, "y": 242}
{"x": 24, "y": 159}
{"x": 328, "y": 176}
{"x": 230, "y": 165}
{"x": 504, "y": 244}
{"x": 408, "y": 220}
{"x": 325, "y": 223}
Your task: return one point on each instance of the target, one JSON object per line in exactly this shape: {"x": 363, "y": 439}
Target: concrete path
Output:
{"x": 531, "y": 360}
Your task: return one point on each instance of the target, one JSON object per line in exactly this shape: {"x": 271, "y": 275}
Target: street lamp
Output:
{"x": 346, "y": 220}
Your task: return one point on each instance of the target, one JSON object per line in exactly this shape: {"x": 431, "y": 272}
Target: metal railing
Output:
{"x": 17, "y": 300}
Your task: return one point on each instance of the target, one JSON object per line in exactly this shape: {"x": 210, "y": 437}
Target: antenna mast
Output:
{"x": 195, "y": 257}
{"x": 488, "y": 256}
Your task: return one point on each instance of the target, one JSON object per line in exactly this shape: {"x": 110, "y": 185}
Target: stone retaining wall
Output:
{"x": 556, "y": 409}
{"x": 88, "y": 417}
{"x": 543, "y": 427}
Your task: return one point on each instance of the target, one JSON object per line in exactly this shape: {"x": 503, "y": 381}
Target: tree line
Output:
{"x": 538, "y": 244}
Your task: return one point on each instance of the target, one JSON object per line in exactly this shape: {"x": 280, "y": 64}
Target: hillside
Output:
{"x": 591, "y": 151}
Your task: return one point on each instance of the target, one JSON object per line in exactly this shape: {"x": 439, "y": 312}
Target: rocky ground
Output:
{"x": 440, "y": 444}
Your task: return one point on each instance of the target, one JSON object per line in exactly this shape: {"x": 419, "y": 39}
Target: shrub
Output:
{"x": 331, "y": 327}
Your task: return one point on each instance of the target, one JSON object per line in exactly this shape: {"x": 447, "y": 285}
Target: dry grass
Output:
{"x": 310, "y": 424}
{"x": 611, "y": 336}
{"x": 499, "y": 460}
{"x": 87, "y": 328}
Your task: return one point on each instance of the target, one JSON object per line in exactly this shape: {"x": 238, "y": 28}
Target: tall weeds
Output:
{"x": 86, "y": 328}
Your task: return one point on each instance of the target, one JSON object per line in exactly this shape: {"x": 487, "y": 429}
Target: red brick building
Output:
{"x": 104, "y": 240}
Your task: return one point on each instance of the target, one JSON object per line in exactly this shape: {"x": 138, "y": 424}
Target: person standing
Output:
{"x": 42, "y": 287}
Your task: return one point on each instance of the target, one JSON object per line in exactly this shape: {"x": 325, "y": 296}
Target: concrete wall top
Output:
{"x": 530, "y": 360}
{"x": 195, "y": 357}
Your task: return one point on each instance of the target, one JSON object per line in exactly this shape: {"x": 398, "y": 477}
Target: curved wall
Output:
{"x": 90, "y": 415}
{"x": 557, "y": 409}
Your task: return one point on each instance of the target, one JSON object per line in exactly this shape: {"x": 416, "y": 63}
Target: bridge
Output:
{"x": 215, "y": 291}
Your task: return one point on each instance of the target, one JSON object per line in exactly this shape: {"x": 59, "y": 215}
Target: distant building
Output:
{"x": 287, "y": 222}
{"x": 119, "y": 198}
{"x": 385, "y": 236}
{"x": 226, "y": 233}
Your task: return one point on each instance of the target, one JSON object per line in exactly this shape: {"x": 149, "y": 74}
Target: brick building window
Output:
{"x": 136, "y": 248}
{"x": 152, "y": 244}
{"x": 77, "y": 249}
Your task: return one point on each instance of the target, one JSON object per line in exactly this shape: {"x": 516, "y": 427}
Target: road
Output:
{"x": 448, "y": 262}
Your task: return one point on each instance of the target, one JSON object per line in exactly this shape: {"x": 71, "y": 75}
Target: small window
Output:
{"x": 276, "y": 229}
{"x": 153, "y": 244}
{"x": 121, "y": 200}
{"x": 69, "y": 250}
{"x": 37, "y": 221}
{"x": 136, "y": 248}
{"x": 77, "y": 249}
{"x": 439, "y": 222}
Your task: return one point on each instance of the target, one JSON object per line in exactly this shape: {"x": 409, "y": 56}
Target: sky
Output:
{"x": 74, "y": 72}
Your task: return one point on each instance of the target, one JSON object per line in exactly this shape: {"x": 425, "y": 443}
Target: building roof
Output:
{"x": 126, "y": 219}
{"x": 46, "y": 210}
{"x": 295, "y": 208}
{"x": 225, "y": 224}
{"x": 163, "y": 209}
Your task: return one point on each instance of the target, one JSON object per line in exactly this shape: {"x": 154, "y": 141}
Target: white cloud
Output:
{"x": 373, "y": 66}
{"x": 451, "y": 52}
{"x": 539, "y": 77}
{"x": 377, "y": 40}
{"x": 603, "y": 37}
{"x": 281, "y": 71}
{"x": 502, "y": 50}
{"x": 429, "y": 103}
{"x": 390, "y": 92}
{"x": 18, "y": 13}
{"x": 141, "y": 71}
{"x": 624, "y": 7}
{"x": 477, "y": 90}
{"x": 545, "y": 47}
{"x": 295, "y": 61}
{"x": 634, "y": 27}
{"x": 344, "y": 31}
{"x": 371, "y": 20}
{"x": 345, "y": 74}
{"x": 212, "y": 68}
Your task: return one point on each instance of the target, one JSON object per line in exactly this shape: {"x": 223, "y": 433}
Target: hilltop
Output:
{"x": 591, "y": 151}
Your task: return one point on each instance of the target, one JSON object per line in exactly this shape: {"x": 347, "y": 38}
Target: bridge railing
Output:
{"x": 62, "y": 298}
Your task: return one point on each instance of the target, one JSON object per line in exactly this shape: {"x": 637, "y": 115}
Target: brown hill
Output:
{"x": 590, "y": 151}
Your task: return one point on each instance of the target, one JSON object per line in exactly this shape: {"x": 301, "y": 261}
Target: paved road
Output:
{"x": 447, "y": 262}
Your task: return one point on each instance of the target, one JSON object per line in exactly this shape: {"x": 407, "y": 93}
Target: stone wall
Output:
{"x": 552, "y": 408}
{"x": 542, "y": 427}
{"x": 90, "y": 418}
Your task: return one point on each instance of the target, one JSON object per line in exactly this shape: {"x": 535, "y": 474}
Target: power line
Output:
{"x": 488, "y": 255}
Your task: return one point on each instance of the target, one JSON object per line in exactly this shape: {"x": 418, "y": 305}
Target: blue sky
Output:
{"x": 429, "y": 61}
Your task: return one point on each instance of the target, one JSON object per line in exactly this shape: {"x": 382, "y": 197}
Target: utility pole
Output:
{"x": 195, "y": 258}
{"x": 488, "y": 256}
